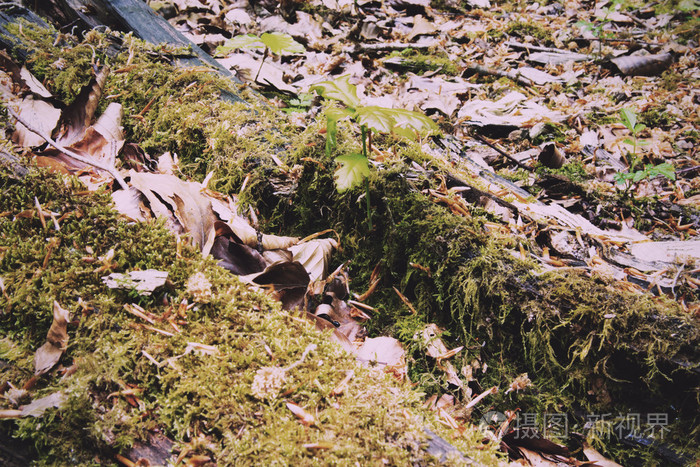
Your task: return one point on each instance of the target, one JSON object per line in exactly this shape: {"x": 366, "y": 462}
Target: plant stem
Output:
{"x": 369, "y": 207}
{"x": 261, "y": 65}
{"x": 363, "y": 129}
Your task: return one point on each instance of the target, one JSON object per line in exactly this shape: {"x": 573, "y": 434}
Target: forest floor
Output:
{"x": 490, "y": 211}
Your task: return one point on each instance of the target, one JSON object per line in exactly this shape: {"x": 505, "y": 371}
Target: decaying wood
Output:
{"x": 127, "y": 16}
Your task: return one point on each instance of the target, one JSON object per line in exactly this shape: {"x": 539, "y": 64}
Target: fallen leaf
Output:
{"x": 78, "y": 116}
{"x": 144, "y": 282}
{"x": 42, "y": 115}
{"x": 304, "y": 417}
{"x": 38, "y": 407}
{"x": 48, "y": 354}
{"x": 315, "y": 255}
{"x": 597, "y": 458}
{"x": 181, "y": 203}
{"x": 381, "y": 350}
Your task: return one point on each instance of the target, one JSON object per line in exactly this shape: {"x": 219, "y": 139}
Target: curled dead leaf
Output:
{"x": 48, "y": 354}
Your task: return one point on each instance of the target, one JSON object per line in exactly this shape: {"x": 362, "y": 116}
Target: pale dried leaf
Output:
{"x": 39, "y": 406}
{"x": 144, "y": 282}
{"x": 129, "y": 203}
{"x": 381, "y": 350}
{"x": 243, "y": 230}
{"x": 42, "y": 115}
{"x": 275, "y": 242}
{"x": 78, "y": 116}
{"x": 598, "y": 458}
{"x": 34, "y": 84}
{"x": 315, "y": 256}
{"x": 304, "y": 417}
{"x": 185, "y": 203}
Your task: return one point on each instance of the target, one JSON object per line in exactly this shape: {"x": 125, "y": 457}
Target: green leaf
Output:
{"x": 629, "y": 141}
{"x": 340, "y": 90}
{"x": 639, "y": 127}
{"x": 585, "y": 25}
{"x": 667, "y": 170}
{"x": 279, "y": 43}
{"x": 416, "y": 121}
{"x": 353, "y": 170}
{"x": 379, "y": 119}
{"x": 629, "y": 118}
{"x": 639, "y": 175}
{"x": 245, "y": 41}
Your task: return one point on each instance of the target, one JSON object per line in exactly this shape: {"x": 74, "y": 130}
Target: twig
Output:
{"x": 675, "y": 281}
{"x": 538, "y": 48}
{"x": 501, "y": 151}
{"x": 383, "y": 46}
{"x": 478, "y": 398}
{"x": 111, "y": 170}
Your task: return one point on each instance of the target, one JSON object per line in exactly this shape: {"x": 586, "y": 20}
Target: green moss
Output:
{"x": 522, "y": 29}
{"x": 581, "y": 341}
{"x": 188, "y": 112}
{"x": 420, "y": 62}
{"x": 202, "y": 402}
{"x": 602, "y": 118}
{"x": 656, "y": 117}
{"x": 575, "y": 171}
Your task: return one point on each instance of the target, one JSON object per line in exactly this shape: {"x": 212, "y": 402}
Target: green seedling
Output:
{"x": 273, "y": 42}
{"x": 629, "y": 119}
{"x": 299, "y": 103}
{"x": 354, "y": 168}
{"x": 597, "y": 28}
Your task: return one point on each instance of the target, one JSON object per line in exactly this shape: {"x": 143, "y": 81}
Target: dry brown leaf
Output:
{"x": 247, "y": 234}
{"x": 41, "y": 114}
{"x": 183, "y": 205}
{"x": 48, "y": 354}
{"x": 436, "y": 349}
{"x": 536, "y": 459}
{"x": 78, "y": 116}
{"x": 381, "y": 350}
{"x": 521, "y": 382}
{"x": 130, "y": 204}
{"x": 38, "y": 407}
{"x": 304, "y": 417}
{"x": 144, "y": 282}
{"x": 34, "y": 84}
{"x": 275, "y": 242}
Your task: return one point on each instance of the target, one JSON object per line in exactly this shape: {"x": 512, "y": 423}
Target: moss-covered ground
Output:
{"x": 124, "y": 382}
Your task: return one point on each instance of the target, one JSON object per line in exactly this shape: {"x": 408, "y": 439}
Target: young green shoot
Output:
{"x": 629, "y": 119}
{"x": 354, "y": 168}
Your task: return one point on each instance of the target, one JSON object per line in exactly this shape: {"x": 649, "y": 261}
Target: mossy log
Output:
{"x": 125, "y": 16}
